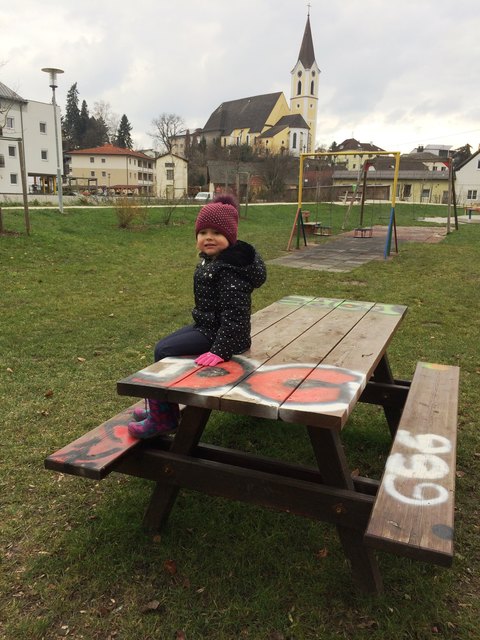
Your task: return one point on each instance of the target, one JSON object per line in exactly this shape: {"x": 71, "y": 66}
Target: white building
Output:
{"x": 467, "y": 181}
{"x": 172, "y": 176}
{"x": 33, "y": 122}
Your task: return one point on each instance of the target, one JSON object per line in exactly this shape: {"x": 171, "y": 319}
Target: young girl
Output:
{"x": 228, "y": 271}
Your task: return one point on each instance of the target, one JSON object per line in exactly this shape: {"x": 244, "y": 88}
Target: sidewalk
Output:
{"x": 345, "y": 252}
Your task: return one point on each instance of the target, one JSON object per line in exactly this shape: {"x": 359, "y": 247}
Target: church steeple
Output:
{"x": 307, "y": 54}
{"x": 304, "y": 87}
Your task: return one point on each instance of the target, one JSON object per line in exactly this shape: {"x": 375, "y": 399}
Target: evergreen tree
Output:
{"x": 71, "y": 121}
{"x": 96, "y": 133}
{"x": 84, "y": 120}
{"x": 123, "y": 138}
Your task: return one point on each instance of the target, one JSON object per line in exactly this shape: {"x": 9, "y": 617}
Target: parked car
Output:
{"x": 203, "y": 196}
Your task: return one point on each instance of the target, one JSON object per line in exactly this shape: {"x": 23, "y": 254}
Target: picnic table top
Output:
{"x": 309, "y": 362}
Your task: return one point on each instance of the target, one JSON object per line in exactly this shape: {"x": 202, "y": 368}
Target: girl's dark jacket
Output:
{"x": 223, "y": 288}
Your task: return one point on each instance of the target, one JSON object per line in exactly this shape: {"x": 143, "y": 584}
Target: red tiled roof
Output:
{"x": 110, "y": 150}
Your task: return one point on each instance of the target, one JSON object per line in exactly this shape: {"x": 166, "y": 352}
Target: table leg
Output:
{"x": 334, "y": 469}
{"x": 383, "y": 373}
{"x": 192, "y": 424}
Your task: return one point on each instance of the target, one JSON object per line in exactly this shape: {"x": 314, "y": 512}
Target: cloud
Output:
{"x": 390, "y": 72}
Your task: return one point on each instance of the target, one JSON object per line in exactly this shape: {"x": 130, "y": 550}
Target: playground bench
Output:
{"x": 311, "y": 361}
{"x": 414, "y": 509}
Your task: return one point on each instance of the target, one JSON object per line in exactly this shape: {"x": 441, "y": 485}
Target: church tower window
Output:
{"x": 312, "y": 88}
{"x": 299, "y": 87}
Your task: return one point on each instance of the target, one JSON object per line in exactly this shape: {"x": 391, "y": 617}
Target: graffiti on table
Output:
{"x": 420, "y": 471}
{"x": 302, "y": 384}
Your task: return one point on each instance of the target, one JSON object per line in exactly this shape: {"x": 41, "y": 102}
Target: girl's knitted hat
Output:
{"x": 222, "y": 215}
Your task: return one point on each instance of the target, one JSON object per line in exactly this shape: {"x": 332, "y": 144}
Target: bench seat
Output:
{"x": 95, "y": 454}
{"x": 414, "y": 510}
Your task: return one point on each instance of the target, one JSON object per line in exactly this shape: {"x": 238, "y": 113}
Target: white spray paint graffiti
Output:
{"x": 424, "y": 465}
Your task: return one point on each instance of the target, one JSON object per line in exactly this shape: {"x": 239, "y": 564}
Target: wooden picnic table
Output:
{"x": 311, "y": 360}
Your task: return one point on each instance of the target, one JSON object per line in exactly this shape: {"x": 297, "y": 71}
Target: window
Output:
{"x": 472, "y": 194}
{"x": 294, "y": 141}
{"x": 170, "y": 174}
{"x": 44, "y": 154}
{"x": 478, "y": 164}
{"x": 103, "y": 160}
{"x": 299, "y": 88}
{"x": 407, "y": 190}
{"x": 169, "y": 164}
{"x": 92, "y": 174}
{"x": 12, "y": 152}
{"x": 312, "y": 87}
{"x": 92, "y": 159}
{"x": 13, "y": 178}
{"x": 43, "y": 127}
{"x": 104, "y": 174}
{"x": 2, "y": 161}
{"x": 10, "y": 123}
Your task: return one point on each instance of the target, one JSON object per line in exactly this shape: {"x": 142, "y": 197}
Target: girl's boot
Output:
{"x": 163, "y": 418}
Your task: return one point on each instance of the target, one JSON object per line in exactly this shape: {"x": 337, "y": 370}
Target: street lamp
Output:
{"x": 52, "y": 72}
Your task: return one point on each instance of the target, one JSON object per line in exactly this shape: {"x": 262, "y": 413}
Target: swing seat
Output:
{"x": 363, "y": 232}
{"x": 323, "y": 230}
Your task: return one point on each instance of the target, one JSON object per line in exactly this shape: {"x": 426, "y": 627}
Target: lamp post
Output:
{"x": 52, "y": 72}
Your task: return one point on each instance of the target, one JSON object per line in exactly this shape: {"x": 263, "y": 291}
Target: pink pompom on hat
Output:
{"x": 222, "y": 215}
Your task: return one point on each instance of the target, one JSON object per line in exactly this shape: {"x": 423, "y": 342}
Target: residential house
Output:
{"x": 354, "y": 162}
{"x": 467, "y": 181}
{"x": 172, "y": 176}
{"x": 112, "y": 169}
{"x": 416, "y": 182}
{"x": 33, "y": 123}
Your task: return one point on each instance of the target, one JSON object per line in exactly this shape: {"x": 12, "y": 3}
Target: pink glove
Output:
{"x": 209, "y": 359}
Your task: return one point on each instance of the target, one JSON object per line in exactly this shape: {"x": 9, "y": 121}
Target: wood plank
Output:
{"x": 414, "y": 510}
{"x": 150, "y": 381}
{"x": 363, "y": 347}
{"x": 93, "y": 454}
{"x": 209, "y": 384}
{"x": 328, "y": 395}
{"x": 283, "y": 493}
{"x": 265, "y": 392}
{"x": 180, "y": 380}
{"x": 267, "y": 316}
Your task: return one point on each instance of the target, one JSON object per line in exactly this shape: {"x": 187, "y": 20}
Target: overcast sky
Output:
{"x": 398, "y": 74}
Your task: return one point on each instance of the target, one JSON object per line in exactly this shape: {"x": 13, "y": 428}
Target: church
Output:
{"x": 267, "y": 122}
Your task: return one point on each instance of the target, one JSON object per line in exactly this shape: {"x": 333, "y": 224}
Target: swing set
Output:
{"x": 358, "y": 194}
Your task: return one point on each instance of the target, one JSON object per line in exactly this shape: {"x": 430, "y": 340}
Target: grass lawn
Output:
{"x": 82, "y": 305}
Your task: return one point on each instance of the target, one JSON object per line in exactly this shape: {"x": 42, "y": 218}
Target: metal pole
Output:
{"x": 52, "y": 73}
{"x": 59, "y": 172}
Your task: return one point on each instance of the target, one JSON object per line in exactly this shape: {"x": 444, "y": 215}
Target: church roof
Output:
{"x": 307, "y": 54}
{"x": 294, "y": 121}
{"x": 272, "y": 132}
{"x": 245, "y": 113}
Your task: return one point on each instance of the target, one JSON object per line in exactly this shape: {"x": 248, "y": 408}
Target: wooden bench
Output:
{"x": 414, "y": 510}
{"x": 95, "y": 454}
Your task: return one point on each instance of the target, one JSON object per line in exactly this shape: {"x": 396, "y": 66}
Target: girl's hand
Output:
{"x": 208, "y": 359}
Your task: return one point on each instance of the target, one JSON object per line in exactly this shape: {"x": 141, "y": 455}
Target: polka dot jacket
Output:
{"x": 223, "y": 288}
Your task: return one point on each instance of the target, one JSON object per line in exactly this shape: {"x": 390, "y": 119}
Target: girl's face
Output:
{"x": 211, "y": 242}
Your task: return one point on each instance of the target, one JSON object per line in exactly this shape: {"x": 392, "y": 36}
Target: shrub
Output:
{"x": 129, "y": 211}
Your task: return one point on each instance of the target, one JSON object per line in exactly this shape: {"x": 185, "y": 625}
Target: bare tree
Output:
{"x": 103, "y": 110}
{"x": 167, "y": 126}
